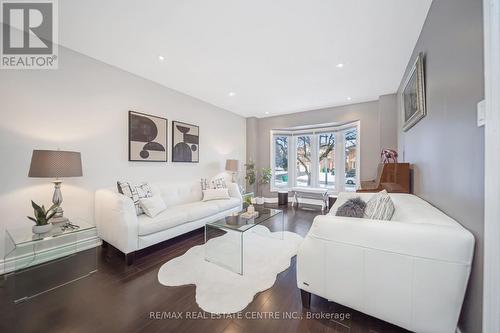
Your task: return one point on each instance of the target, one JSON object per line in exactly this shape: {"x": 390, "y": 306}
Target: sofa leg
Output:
{"x": 306, "y": 299}
{"x": 129, "y": 258}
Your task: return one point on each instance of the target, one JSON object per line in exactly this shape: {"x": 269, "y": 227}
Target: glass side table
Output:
{"x": 38, "y": 263}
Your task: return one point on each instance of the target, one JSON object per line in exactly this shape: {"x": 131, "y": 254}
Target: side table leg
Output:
{"x": 306, "y": 299}
{"x": 129, "y": 258}
{"x": 282, "y": 225}
{"x": 242, "y": 252}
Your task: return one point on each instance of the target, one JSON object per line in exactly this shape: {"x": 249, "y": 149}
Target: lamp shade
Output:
{"x": 55, "y": 164}
{"x": 232, "y": 165}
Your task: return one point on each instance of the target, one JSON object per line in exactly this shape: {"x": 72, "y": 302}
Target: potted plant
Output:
{"x": 247, "y": 201}
{"x": 250, "y": 175}
{"x": 42, "y": 217}
{"x": 265, "y": 178}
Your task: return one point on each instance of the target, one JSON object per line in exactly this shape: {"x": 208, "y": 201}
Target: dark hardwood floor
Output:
{"x": 120, "y": 298}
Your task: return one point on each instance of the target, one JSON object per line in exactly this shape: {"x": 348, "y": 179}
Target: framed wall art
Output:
{"x": 147, "y": 137}
{"x": 185, "y": 142}
{"x": 413, "y": 95}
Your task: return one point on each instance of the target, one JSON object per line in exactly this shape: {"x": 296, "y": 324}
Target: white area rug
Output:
{"x": 219, "y": 290}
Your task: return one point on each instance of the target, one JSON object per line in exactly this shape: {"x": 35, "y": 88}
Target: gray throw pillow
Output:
{"x": 354, "y": 207}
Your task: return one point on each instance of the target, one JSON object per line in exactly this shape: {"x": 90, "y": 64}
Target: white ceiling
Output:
{"x": 276, "y": 56}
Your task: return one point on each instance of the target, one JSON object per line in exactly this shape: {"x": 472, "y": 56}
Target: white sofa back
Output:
{"x": 175, "y": 194}
{"x": 408, "y": 208}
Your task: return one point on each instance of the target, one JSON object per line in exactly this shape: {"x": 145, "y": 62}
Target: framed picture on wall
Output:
{"x": 185, "y": 142}
{"x": 413, "y": 95}
{"x": 147, "y": 137}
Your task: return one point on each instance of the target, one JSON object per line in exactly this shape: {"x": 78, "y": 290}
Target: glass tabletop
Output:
{"x": 24, "y": 235}
{"x": 239, "y": 222}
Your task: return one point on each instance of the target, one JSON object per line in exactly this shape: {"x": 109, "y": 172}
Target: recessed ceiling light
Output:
{"x": 161, "y": 58}
{"x": 267, "y": 112}
{"x": 340, "y": 66}
{"x": 349, "y": 98}
{"x": 232, "y": 94}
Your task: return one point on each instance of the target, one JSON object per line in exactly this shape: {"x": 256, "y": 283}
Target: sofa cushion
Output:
{"x": 167, "y": 219}
{"x": 198, "y": 210}
{"x": 226, "y": 204}
{"x": 215, "y": 194}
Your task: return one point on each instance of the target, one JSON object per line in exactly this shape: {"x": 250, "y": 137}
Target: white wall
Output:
{"x": 446, "y": 148}
{"x": 83, "y": 106}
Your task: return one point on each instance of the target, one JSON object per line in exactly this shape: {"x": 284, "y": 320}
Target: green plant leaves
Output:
{"x": 42, "y": 216}
{"x": 32, "y": 219}
{"x": 266, "y": 175}
{"x": 51, "y": 215}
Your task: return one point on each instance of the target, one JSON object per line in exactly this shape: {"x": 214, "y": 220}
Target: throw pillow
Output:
{"x": 354, "y": 207}
{"x": 215, "y": 194}
{"x": 212, "y": 184}
{"x": 152, "y": 206}
{"x": 380, "y": 207}
{"x": 205, "y": 184}
{"x": 135, "y": 192}
{"x": 219, "y": 183}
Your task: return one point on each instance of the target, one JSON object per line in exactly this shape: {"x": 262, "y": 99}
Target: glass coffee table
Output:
{"x": 224, "y": 238}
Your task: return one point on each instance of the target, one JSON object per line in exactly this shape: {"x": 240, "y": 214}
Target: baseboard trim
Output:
{"x": 45, "y": 255}
{"x": 307, "y": 201}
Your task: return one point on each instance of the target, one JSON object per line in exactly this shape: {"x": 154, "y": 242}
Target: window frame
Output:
{"x": 339, "y": 155}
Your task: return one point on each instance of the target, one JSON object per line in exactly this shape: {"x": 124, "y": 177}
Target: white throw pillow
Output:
{"x": 215, "y": 194}
{"x": 380, "y": 207}
{"x": 152, "y": 206}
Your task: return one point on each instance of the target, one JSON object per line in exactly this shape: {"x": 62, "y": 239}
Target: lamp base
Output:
{"x": 59, "y": 220}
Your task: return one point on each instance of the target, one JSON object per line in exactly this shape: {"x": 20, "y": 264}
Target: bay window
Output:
{"x": 323, "y": 156}
{"x": 326, "y": 170}
{"x": 280, "y": 167}
{"x": 304, "y": 163}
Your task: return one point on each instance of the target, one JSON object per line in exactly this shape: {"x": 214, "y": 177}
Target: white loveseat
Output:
{"x": 411, "y": 271}
{"x": 118, "y": 224}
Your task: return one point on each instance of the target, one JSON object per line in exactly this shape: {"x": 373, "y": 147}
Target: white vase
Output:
{"x": 41, "y": 229}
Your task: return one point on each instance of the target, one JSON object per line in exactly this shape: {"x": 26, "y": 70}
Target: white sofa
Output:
{"x": 118, "y": 224}
{"x": 411, "y": 271}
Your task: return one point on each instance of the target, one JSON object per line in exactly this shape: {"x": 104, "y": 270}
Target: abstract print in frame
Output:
{"x": 185, "y": 142}
{"x": 413, "y": 95}
{"x": 147, "y": 137}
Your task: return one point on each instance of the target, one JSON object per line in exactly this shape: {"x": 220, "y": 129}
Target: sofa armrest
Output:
{"x": 437, "y": 242}
{"x": 234, "y": 191}
{"x": 116, "y": 220}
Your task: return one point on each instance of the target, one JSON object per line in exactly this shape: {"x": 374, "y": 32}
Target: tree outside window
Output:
{"x": 303, "y": 161}
{"x": 327, "y": 160}
{"x": 281, "y": 161}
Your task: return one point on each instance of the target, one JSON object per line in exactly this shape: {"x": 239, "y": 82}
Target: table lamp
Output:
{"x": 56, "y": 164}
{"x": 233, "y": 166}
